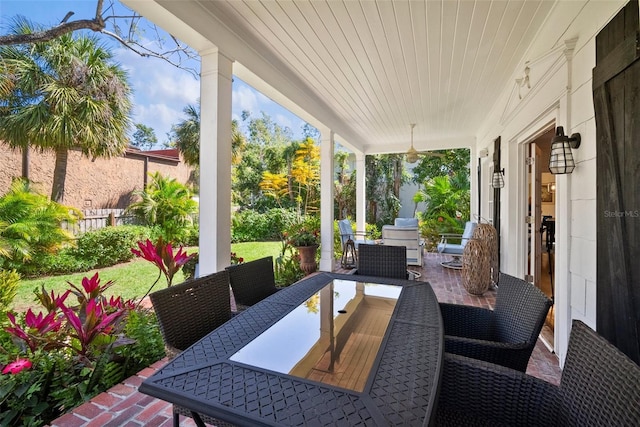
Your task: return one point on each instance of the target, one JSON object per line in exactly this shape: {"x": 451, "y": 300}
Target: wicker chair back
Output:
{"x": 190, "y": 310}
{"x": 520, "y": 311}
{"x": 505, "y": 336}
{"x": 252, "y": 281}
{"x": 382, "y": 261}
{"x": 600, "y": 385}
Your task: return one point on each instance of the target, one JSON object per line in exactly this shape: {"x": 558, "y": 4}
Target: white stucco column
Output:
{"x": 215, "y": 161}
{"x": 326, "y": 199}
{"x": 361, "y": 199}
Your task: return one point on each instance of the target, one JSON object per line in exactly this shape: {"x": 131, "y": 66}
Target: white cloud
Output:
{"x": 160, "y": 117}
{"x": 244, "y": 98}
{"x": 160, "y": 91}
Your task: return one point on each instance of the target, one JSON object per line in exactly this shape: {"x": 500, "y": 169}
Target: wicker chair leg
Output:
{"x": 176, "y": 418}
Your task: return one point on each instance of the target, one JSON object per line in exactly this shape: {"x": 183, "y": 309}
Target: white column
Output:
{"x": 361, "y": 200}
{"x": 215, "y": 161}
{"x": 326, "y": 199}
{"x": 473, "y": 184}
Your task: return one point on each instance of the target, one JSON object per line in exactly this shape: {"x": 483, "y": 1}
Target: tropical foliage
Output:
{"x": 167, "y": 204}
{"x": 30, "y": 226}
{"x": 78, "y": 344}
{"x": 305, "y": 232}
{"x": 63, "y": 94}
{"x": 385, "y": 176}
{"x": 447, "y": 200}
{"x": 9, "y": 280}
{"x": 301, "y": 180}
{"x": 344, "y": 187}
{"x": 162, "y": 256}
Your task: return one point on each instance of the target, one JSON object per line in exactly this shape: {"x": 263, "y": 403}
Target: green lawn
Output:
{"x": 132, "y": 279}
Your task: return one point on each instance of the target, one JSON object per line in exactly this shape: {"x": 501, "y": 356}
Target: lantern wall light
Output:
{"x": 497, "y": 181}
{"x": 561, "y": 160}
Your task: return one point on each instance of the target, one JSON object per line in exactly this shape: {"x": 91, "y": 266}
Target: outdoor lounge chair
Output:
{"x": 346, "y": 233}
{"x": 407, "y": 237}
{"x": 252, "y": 281}
{"x": 455, "y": 249}
{"x": 506, "y": 335}
{"x": 600, "y": 386}
{"x": 382, "y": 261}
{"x": 186, "y": 313}
{"x": 406, "y": 222}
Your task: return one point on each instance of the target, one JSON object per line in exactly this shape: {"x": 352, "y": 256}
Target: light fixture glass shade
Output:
{"x": 497, "y": 180}
{"x": 561, "y": 160}
{"x": 412, "y": 155}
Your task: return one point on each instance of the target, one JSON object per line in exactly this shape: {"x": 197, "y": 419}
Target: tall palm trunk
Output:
{"x": 59, "y": 174}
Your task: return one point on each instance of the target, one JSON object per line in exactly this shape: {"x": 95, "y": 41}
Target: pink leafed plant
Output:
{"x": 37, "y": 327}
{"x": 91, "y": 323}
{"x": 17, "y": 366}
{"x": 162, "y": 256}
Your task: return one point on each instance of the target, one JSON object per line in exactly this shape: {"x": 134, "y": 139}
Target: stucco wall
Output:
{"x": 99, "y": 183}
{"x": 517, "y": 119}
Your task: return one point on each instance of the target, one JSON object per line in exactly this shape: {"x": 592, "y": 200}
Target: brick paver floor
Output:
{"x": 123, "y": 405}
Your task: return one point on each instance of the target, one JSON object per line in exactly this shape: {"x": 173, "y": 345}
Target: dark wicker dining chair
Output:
{"x": 382, "y": 261}
{"x": 186, "y": 313}
{"x": 506, "y": 335}
{"x": 252, "y": 281}
{"x": 600, "y": 386}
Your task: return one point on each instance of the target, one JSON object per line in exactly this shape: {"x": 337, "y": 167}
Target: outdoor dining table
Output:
{"x": 332, "y": 349}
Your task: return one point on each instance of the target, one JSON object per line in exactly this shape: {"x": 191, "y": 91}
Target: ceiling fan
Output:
{"x": 412, "y": 153}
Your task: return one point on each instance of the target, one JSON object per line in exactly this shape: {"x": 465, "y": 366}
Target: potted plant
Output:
{"x": 306, "y": 240}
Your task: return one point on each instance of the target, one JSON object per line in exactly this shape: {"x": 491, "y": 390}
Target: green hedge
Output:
{"x": 253, "y": 226}
{"x": 110, "y": 245}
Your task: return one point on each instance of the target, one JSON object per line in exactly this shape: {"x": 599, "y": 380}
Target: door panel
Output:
{"x": 616, "y": 94}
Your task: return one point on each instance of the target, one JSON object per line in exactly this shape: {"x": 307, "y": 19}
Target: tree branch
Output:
{"x": 52, "y": 33}
{"x": 98, "y": 24}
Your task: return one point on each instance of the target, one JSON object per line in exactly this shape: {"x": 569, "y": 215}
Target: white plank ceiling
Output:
{"x": 379, "y": 65}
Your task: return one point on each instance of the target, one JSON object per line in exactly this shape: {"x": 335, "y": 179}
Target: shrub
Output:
{"x": 287, "y": 266}
{"x": 110, "y": 245}
{"x": 142, "y": 326}
{"x": 9, "y": 280}
{"x": 252, "y": 226}
{"x": 30, "y": 226}
{"x": 63, "y": 262}
{"x": 189, "y": 267}
{"x": 71, "y": 351}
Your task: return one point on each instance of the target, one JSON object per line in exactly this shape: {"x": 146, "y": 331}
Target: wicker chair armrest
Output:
{"x": 512, "y": 355}
{"x": 474, "y": 392}
{"x": 467, "y": 321}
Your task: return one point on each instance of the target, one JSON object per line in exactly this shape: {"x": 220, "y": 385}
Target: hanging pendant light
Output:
{"x": 412, "y": 153}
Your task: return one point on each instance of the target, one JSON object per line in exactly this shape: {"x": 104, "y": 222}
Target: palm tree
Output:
{"x": 187, "y": 137}
{"x": 61, "y": 95}
{"x": 166, "y": 203}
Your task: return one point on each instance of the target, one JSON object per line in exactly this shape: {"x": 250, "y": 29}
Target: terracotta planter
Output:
{"x": 308, "y": 258}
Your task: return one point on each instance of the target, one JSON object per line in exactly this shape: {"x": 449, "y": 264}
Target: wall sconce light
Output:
{"x": 551, "y": 187}
{"x": 561, "y": 160}
{"x": 497, "y": 180}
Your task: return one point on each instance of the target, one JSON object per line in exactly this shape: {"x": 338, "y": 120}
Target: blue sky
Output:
{"x": 160, "y": 90}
